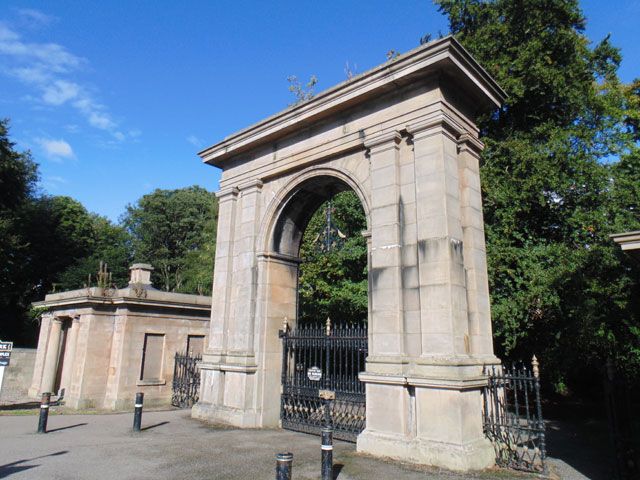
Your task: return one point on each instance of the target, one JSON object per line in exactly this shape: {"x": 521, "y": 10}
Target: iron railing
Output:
{"x": 320, "y": 359}
{"x": 186, "y": 380}
{"x": 513, "y": 418}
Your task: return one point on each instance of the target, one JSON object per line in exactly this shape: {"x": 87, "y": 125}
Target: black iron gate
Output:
{"x": 513, "y": 418}
{"x": 186, "y": 380}
{"x": 324, "y": 362}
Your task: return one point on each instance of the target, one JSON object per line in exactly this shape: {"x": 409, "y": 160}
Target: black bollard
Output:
{"x": 284, "y": 466}
{"x": 137, "y": 415}
{"x": 44, "y": 413}
{"x": 327, "y": 453}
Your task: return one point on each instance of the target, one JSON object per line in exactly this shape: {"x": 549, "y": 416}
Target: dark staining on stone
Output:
{"x": 431, "y": 250}
{"x": 409, "y": 276}
{"x": 375, "y": 274}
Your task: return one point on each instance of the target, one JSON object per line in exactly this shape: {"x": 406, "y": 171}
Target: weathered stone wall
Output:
{"x": 17, "y": 376}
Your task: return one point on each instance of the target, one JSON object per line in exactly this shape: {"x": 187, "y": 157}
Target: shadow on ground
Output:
{"x": 578, "y": 434}
{"x": 14, "y": 467}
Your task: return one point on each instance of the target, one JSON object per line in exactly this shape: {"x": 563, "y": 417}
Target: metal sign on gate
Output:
{"x": 314, "y": 374}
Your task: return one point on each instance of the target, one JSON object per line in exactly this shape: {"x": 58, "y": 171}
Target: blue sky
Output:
{"x": 114, "y": 99}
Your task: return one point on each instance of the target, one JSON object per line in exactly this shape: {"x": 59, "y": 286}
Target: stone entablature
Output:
{"x": 403, "y": 137}
{"x": 91, "y": 342}
{"x": 629, "y": 242}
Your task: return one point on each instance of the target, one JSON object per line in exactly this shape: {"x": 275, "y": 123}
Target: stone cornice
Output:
{"x": 279, "y": 257}
{"x": 467, "y": 142}
{"x": 442, "y": 54}
{"x": 385, "y": 139}
{"x": 82, "y": 299}
{"x": 442, "y": 122}
{"x": 251, "y": 185}
{"x": 227, "y": 193}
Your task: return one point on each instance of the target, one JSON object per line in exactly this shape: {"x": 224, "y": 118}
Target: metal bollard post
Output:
{"x": 284, "y": 466}
{"x": 137, "y": 415}
{"x": 44, "y": 413}
{"x": 327, "y": 453}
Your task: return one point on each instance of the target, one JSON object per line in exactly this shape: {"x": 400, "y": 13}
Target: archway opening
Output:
{"x": 332, "y": 278}
{"x": 322, "y": 225}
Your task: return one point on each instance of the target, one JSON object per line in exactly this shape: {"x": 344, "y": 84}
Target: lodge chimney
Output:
{"x": 140, "y": 274}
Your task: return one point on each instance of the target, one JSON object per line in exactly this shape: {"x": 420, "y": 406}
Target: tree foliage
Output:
{"x": 334, "y": 283}
{"x": 174, "y": 230}
{"x": 18, "y": 177}
{"x": 110, "y": 244}
{"x": 560, "y": 174}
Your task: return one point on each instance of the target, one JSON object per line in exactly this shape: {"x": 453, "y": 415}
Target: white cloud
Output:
{"x": 195, "y": 141}
{"x": 31, "y": 75}
{"x": 56, "y": 149}
{"x": 56, "y": 179}
{"x": 50, "y": 56}
{"x": 60, "y": 91}
{"x": 44, "y": 66}
{"x": 37, "y": 16}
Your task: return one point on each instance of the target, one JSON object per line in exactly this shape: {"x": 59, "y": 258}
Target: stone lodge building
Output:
{"x": 98, "y": 347}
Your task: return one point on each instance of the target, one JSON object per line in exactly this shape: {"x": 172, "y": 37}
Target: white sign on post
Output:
{"x": 5, "y": 357}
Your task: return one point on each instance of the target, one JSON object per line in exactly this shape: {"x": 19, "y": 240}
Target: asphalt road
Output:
{"x": 174, "y": 446}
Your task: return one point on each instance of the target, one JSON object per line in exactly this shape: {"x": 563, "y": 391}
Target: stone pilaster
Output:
{"x": 386, "y": 348}
{"x": 475, "y": 257}
{"x": 212, "y": 377}
{"x": 228, "y": 390}
{"x": 277, "y": 301}
{"x": 222, "y": 284}
{"x": 242, "y": 319}
{"x": 443, "y": 299}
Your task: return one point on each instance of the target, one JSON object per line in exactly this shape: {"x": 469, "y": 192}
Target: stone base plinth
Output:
{"x": 227, "y": 415}
{"x": 431, "y": 414}
{"x": 466, "y": 457}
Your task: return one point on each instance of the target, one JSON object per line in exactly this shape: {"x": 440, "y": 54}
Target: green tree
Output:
{"x": 110, "y": 244}
{"x": 334, "y": 283}
{"x": 59, "y": 232}
{"x": 552, "y": 193}
{"x": 18, "y": 177}
{"x": 173, "y": 230}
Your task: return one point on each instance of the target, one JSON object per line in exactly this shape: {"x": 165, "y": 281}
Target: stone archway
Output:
{"x": 403, "y": 137}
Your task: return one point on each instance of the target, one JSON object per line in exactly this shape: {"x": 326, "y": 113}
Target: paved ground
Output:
{"x": 173, "y": 445}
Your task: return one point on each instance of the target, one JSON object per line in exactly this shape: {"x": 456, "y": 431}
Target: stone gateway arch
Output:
{"x": 402, "y": 137}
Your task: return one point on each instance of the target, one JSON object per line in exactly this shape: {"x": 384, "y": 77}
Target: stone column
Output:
{"x": 39, "y": 366}
{"x": 51, "y": 357}
{"x": 69, "y": 356}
